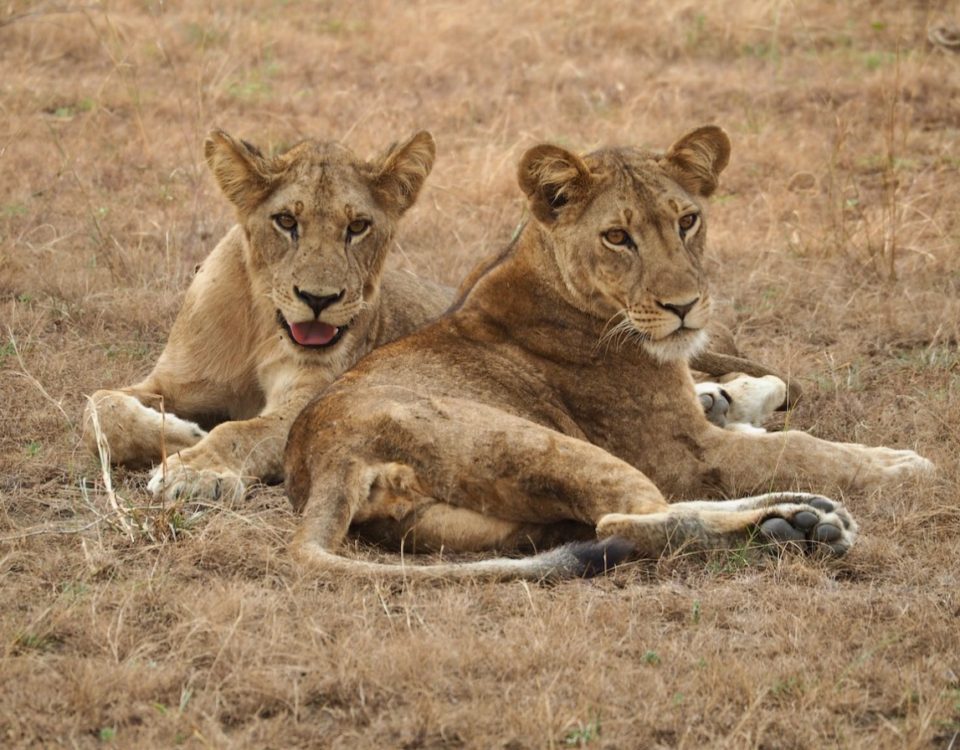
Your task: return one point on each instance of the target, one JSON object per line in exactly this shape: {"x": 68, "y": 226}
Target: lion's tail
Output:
{"x": 574, "y": 560}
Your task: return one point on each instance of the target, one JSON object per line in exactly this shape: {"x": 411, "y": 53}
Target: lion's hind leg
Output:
{"x": 135, "y": 432}
{"x": 460, "y": 476}
{"x": 382, "y": 504}
{"x": 809, "y": 522}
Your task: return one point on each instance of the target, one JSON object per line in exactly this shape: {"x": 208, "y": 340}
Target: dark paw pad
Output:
{"x": 780, "y": 530}
{"x": 827, "y": 533}
{"x": 823, "y": 504}
{"x": 805, "y": 520}
{"x": 823, "y": 526}
{"x": 715, "y": 406}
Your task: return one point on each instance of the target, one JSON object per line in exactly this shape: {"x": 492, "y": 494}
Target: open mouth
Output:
{"x": 312, "y": 334}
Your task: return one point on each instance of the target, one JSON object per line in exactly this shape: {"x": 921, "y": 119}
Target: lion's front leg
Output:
{"x": 785, "y": 460}
{"x": 232, "y": 456}
{"x": 134, "y": 428}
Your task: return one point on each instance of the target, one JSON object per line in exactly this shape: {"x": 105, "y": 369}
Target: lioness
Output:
{"x": 504, "y": 424}
{"x": 292, "y": 296}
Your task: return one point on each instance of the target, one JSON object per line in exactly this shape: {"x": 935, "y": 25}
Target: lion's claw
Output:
{"x": 178, "y": 480}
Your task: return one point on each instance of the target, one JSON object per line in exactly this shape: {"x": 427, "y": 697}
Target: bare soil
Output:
{"x": 835, "y": 242}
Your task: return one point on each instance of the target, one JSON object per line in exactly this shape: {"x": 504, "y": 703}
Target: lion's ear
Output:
{"x": 401, "y": 171}
{"x": 552, "y": 177}
{"x": 242, "y": 171}
{"x": 697, "y": 159}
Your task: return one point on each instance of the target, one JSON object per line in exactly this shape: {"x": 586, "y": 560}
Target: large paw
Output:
{"x": 743, "y": 403}
{"x": 883, "y": 465}
{"x": 812, "y": 523}
{"x": 180, "y": 479}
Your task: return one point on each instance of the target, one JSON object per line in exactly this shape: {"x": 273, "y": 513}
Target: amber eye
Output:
{"x": 357, "y": 227}
{"x": 617, "y": 238}
{"x": 286, "y": 222}
{"x": 687, "y": 222}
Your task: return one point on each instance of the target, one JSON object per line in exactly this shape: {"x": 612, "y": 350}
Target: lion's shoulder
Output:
{"x": 407, "y": 301}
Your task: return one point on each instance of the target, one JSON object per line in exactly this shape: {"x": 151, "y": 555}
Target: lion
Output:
{"x": 295, "y": 293}
{"x": 507, "y": 425}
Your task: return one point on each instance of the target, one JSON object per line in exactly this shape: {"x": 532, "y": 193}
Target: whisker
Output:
{"x": 613, "y": 317}
{"x": 619, "y": 334}
{"x": 609, "y": 334}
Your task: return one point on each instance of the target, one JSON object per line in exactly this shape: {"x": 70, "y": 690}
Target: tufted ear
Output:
{"x": 552, "y": 177}
{"x": 401, "y": 171}
{"x": 697, "y": 159}
{"x": 243, "y": 173}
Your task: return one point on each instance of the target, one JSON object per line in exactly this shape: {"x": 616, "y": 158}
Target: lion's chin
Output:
{"x": 681, "y": 345}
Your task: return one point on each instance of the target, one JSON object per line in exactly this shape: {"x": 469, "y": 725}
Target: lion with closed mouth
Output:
{"x": 504, "y": 425}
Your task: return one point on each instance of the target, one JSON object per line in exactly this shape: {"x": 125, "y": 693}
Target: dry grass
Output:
{"x": 835, "y": 243}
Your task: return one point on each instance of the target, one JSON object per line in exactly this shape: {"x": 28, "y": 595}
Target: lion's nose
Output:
{"x": 318, "y": 303}
{"x": 679, "y": 310}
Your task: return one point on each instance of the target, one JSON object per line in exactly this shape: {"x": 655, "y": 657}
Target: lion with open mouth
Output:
{"x": 296, "y": 293}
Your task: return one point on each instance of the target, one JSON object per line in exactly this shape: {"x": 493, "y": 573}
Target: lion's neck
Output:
{"x": 536, "y": 253}
{"x": 523, "y": 299}
{"x": 518, "y": 307}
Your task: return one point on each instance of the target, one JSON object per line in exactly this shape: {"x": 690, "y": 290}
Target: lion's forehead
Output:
{"x": 634, "y": 204}
{"x": 328, "y": 187}
{"x": 636, "y": 188}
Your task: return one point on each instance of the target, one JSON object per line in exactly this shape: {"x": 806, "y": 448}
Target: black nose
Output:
{"x": 315, "y": 303}
{"x": 679, "y": 310}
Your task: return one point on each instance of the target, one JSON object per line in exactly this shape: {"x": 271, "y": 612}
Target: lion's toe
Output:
{"x": 177, "y": 481}
{"x": 814, "y": 525}
{"x": 715, "y": 402}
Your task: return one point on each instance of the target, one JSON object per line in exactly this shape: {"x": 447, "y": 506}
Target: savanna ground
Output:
{"x": 835, "y": 242}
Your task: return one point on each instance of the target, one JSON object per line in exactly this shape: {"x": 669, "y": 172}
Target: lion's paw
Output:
{"x": 178, "y": 479}
{"x": 888, "y": 465}
{"x": 813, "y": 523}
{"x": 742, "y": 404}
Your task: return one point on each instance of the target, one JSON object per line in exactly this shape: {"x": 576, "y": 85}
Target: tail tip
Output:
{"x": 600, "y": 557}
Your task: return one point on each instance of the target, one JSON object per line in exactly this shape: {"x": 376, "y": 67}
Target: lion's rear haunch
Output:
{"x": 574, "y": 560}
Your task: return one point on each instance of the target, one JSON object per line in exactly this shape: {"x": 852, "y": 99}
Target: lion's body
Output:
{"x": 521, "y": 418}
{"x": 232, "y": 364}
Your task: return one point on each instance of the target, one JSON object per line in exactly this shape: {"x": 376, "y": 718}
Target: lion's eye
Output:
{"x": 617, "y": 238}
{"x": 286, "y": 222}
{"x": 357, "y": 227}
{"x": 687, "y": 223}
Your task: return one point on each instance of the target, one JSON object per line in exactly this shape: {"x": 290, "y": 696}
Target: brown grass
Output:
{"x": 835, "y": 245}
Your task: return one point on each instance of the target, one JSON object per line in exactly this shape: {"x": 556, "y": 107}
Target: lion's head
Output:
{"x": 627, "y": 230}
{"x": 318, "y": 223}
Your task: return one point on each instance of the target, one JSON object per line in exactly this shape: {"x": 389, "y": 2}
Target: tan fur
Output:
{"x": 518, "y": 420}
{"x": 229, "y": 366}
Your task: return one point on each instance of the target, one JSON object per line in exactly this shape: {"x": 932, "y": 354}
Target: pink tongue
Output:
{"x": 313, "y": 333}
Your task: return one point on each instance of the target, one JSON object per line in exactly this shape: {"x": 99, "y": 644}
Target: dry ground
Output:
{"x": 835, "y": 247}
